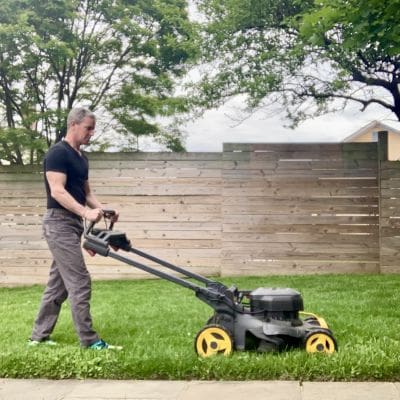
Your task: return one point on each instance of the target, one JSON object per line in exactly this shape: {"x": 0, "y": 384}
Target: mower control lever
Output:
{"x": 107, "y": 213}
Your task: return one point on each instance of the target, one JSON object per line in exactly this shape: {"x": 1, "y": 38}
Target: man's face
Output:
{"x": 85, "y": 130}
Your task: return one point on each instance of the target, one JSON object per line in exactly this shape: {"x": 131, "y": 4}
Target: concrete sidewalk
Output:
{"x": 20, "y": 389}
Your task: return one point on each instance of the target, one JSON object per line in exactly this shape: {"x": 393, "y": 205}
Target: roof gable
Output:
{"x": 374, "y": 126}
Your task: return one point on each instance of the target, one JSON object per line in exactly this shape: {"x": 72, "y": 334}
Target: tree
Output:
{"x": 55, "y": 54}
{"x": 145, "y": 98}
{"x": 309, "y": 56}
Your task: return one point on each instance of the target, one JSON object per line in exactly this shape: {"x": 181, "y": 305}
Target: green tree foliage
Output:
{"x": 110, "y": 55}
{"x": 302, "y": 54}
{"x": 146, "y": 98}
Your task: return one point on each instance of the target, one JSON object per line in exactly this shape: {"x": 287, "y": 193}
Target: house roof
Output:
{"x": 374, "y": 126}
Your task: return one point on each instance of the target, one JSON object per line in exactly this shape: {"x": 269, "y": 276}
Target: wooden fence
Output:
{"x": 302, "y": 208}
{"x": 390, "y": 217}
{"x": 253, "y": 209}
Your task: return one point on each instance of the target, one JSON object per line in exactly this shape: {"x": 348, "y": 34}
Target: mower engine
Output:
{"x": 276, "y": 303}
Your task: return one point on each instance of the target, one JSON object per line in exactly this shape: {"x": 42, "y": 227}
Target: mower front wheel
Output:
{"x": 320, "y": 342}
{"x": 213, "y": 339}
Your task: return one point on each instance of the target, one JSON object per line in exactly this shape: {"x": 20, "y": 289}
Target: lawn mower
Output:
{"x": 263, "y": 319}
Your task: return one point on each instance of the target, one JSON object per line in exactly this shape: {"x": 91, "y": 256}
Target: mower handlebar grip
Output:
{"x": 107, "y": 213}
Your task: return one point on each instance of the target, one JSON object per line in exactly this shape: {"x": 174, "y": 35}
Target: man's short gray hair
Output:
{"x": 78, "y": 114}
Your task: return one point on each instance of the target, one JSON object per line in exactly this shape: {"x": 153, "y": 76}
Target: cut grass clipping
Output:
{"x": 156, "y": 322}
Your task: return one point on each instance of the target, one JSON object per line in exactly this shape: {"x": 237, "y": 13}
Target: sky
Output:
{"x": 219, "y": 126}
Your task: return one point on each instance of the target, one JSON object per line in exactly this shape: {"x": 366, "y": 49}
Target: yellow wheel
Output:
{"x": 212, "y": 340}
{"x": 320, "y": 342}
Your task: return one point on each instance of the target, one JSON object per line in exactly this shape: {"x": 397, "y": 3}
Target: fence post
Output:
{"x": 382, "y": 146}
{"x": 382, "y": 156}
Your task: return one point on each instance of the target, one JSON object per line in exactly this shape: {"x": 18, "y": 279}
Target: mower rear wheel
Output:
{"x": 212, "y": 340}
{"x": 320, "y": 342}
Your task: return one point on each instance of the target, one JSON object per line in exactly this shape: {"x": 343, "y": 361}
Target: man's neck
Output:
{"x": 73, "y": 143}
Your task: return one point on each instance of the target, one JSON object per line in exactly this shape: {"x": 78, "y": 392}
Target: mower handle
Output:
{"x": 107, "y": 213}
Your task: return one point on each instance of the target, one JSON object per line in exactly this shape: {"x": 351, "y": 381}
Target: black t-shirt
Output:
{"x": 61, "y": 157}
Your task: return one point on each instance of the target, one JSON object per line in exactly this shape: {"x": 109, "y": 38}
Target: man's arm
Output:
{"x": 57, "y": 182}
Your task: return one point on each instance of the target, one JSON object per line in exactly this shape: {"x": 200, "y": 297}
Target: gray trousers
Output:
{"x": 68, "y": 278}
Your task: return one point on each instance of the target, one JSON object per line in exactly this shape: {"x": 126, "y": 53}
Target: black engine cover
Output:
{"x": 277, "y": 303}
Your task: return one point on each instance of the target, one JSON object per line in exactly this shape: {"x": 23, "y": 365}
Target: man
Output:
{"x": 69, "y": 201}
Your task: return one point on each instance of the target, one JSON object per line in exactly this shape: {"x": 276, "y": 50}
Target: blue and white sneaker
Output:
{"x": 102, "y": 345}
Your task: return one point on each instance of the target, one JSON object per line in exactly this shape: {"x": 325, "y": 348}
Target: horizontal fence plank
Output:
{"x": 301, "y": 192}
{"x": 128, "y": 181}
{"x": 153, "y": 173}
{"x": 151, "y": 190}
{"x": 21, "y": 169}
{"x": 302, "y": 228}
{"x": 304, "y": 166}
{"x": 154, "y": 156}
{"x": 299, "y": 156}
{"x": 146, "y": 165}
{"x": 239, "y": 240}
{"x": 299, "y": 209}
{"x": 389, "y": 269}
{"x": 275, "y": 173}
{"x": 298, "y": 147}
{"x": 262, "y": 220}
{"x": 307, "y": 201}
{"x": 338, "y": 251}
{"x": 167, "y": 199}
{"x": 282, "y": 267}
{"x": 296, "y": 183}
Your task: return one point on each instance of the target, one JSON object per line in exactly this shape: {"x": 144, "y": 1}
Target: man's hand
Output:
{"x": 93, "y": 214}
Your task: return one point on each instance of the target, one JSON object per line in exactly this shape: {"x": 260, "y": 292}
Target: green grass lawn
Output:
{"x": 157, "y": 321}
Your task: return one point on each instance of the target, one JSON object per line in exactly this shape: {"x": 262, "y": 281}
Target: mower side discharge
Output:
{"x": 264, "y": 319}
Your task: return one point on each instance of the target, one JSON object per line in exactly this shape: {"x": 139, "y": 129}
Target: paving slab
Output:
{"x": 42, "y": 389}
{"x": 36, "y": 389}
{"x": 350, "y": 391}
{"x": 251, "y": 390}
{"x": 132, "y": 390}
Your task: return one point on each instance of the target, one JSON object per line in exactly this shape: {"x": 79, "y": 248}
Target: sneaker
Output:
{"x": 102, "y": 345}
{"x": 43, "y": 342}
